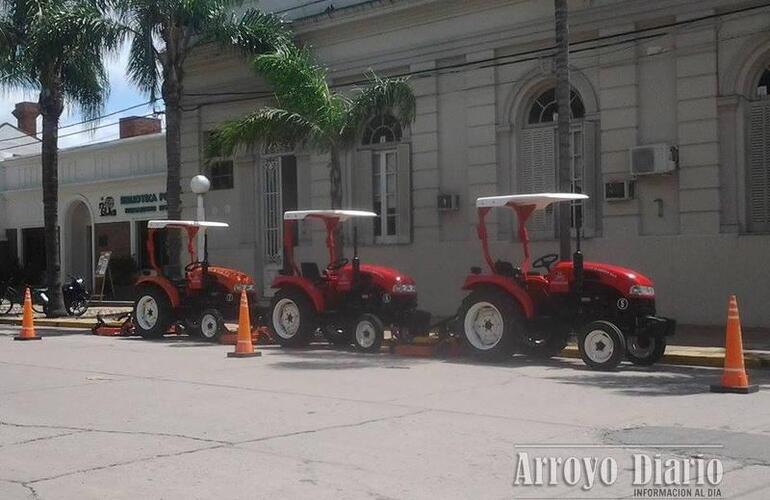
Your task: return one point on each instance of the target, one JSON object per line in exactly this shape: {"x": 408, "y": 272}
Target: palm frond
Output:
{"x": 380, "y": 96}
{"x": 251, "y": 33}
{"x": 299, "y": 83}
{"x": 268, "y": 127}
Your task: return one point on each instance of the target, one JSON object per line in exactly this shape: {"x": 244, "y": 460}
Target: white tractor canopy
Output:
{"x": 539, "y": 200}
{"x": 340, "y": 215}
{"x": 162, "y": 224}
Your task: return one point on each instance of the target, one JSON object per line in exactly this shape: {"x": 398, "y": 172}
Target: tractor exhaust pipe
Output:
{"x": 577, "y": 257}
{"x": 356, "y": 258}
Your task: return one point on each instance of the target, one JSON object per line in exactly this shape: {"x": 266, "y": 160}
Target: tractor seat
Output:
{"x": 507, "y": 269}
{"x": 310, "y": 271}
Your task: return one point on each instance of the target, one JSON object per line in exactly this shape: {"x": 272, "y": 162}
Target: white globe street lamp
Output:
{"x": 200, "y": 185}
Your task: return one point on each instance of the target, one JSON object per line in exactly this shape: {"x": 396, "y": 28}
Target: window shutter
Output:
{"x": 759, "y": 168}
{"x": 362, "y": 195}
{"x": 404, "y": 194}
{"x": 536, "y": 174}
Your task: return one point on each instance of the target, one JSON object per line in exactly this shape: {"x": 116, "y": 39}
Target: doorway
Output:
{"x": 279, "y": 194}
{"x": 79, "y": 242}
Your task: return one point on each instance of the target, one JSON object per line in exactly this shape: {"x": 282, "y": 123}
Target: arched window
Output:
{"x": 382, "y": 129}
{"x": 763, "y": 87}
{"x": 545, "y": 108}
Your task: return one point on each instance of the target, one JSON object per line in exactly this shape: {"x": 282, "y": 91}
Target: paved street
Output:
{"x": 85, "y": 417}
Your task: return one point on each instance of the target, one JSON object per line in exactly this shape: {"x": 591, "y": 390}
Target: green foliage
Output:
{"x": 164, "y": 32}
{"x": 308, "y": 112}
{"x": 58, "y": 46}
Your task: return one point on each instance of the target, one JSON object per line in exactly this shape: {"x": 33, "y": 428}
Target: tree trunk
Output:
{"x": 563, "y": 91}
{"x": 335, "y": 180}
{"x": 171, "y": 96}
{"x": 51, "y": 107}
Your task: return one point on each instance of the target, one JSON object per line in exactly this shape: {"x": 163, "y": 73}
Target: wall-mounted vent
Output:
{"x": 654, "y": 159}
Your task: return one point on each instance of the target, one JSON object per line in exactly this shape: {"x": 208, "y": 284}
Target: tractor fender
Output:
{"x": 506, "y": 285}
{"x": 164, "y": 284}
{"x": 305, "y": 286}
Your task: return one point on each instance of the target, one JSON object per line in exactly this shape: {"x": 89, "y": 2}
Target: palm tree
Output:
{"x": 56, "y": 48}
{"x": 165, "y": 32}
{"x": 308, "y": 112}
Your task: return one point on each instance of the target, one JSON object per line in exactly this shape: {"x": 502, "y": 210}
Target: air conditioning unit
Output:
{"x": 619, "y": 190}
{"x": 448, "y": 202}
{"x": 654, "y": 159}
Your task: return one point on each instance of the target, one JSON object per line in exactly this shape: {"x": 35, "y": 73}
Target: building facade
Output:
{"x": 107, "y": 192}
{"x": 670, "y": 128}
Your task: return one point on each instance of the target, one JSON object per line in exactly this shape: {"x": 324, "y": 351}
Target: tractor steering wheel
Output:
{"x": 192, "y": 266}
{"x": 338, "y": 264}
{"x": 545, "y": 261}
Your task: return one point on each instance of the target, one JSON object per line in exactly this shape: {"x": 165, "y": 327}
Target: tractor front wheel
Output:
{"x": 293, "y": 318}
{"x": 601, "y": 345}
{"x": 153, "y": 314}
{"x": 211, "y": 325}
{"x": 369, "y": 333}
{"x": 645, "y": 350}
{"x": 490, "y": 321}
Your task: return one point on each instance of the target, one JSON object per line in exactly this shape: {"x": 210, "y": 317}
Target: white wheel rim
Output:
{"x": 637, "y": 350}
{"x": 286, "y": 318}
{"x": 147, "y": 312}
{"x": 484, "y": 326}
{"x": 5, "y": 305}
{"x": 209, "y": 326}
{"x": 366, "y": 334}
{"x": 599, "y": 346}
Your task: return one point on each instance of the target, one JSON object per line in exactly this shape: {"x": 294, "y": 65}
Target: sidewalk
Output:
{"x": 691, "y": 346}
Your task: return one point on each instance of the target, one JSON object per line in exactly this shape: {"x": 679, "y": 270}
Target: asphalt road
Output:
{"x": 84, "y": 417}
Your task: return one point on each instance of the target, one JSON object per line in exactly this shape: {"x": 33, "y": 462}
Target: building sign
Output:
{"x": 109, "y": 206}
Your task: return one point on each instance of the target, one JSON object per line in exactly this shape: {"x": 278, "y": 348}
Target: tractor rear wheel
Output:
{"x": 490, "y": 321}
{"x": 153, "y": 314}
{"x": 293, "y": 318}
{"x": 601, "y": 345}
{"x": 645, "y": 350}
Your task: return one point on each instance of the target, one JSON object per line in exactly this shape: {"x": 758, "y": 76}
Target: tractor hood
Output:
{"x": 620, "y": 278}
{"x": 386, "y": 278}
{"x": 230, "y": 277}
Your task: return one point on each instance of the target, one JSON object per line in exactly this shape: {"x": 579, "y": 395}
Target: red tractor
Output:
{"x": 349, "y": 302}
{"x": 200, "y": 300}
{"x": 612, "y": 309}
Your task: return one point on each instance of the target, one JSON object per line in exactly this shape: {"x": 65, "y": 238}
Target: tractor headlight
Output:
{"x": 244, "y": 287}
{"x": 404, "y": 288}
{"x": 641, "y": 291}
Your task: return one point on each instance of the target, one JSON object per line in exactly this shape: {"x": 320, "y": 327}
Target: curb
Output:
{"x": 711, "y": 360}
{"x": 706, "y": 359}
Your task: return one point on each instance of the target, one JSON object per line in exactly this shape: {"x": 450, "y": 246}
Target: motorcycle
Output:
{"x": 74, "y": 292}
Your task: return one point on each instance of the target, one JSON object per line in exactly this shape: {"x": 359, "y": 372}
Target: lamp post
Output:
{"x": 200, "y": 185}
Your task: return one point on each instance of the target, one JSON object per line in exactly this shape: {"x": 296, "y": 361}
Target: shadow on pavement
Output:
{"x": 660, "y": 380}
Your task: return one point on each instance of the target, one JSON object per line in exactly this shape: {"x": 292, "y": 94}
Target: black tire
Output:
{"x": 284, "y": 315}
{"x": 149, "y": 322}
{"x": 498, "y": 306}
{"x": 77, "y": 307}
{"x": 645, "y": 350}
{"x": 39, "y": 308}
{"x": 602, "y": 345}
{"x": 546, "y": 342}
{"x": 368, "y": 333}
{"x": 212, "y": 325}
{"x": 6, "y": 305}
{"x": 338, "y": 333}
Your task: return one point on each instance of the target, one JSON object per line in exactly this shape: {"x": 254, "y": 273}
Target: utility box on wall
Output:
{"x": 448, "y": 202}
{"x": 653, "y": 159}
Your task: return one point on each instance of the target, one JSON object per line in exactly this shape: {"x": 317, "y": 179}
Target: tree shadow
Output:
{"x": 659, "y": 380}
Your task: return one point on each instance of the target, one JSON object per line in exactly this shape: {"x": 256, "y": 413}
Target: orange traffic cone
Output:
{"x": 27, "y": 324}
{"x": 244, "y": 347}
{"x": 734, "y": 378}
